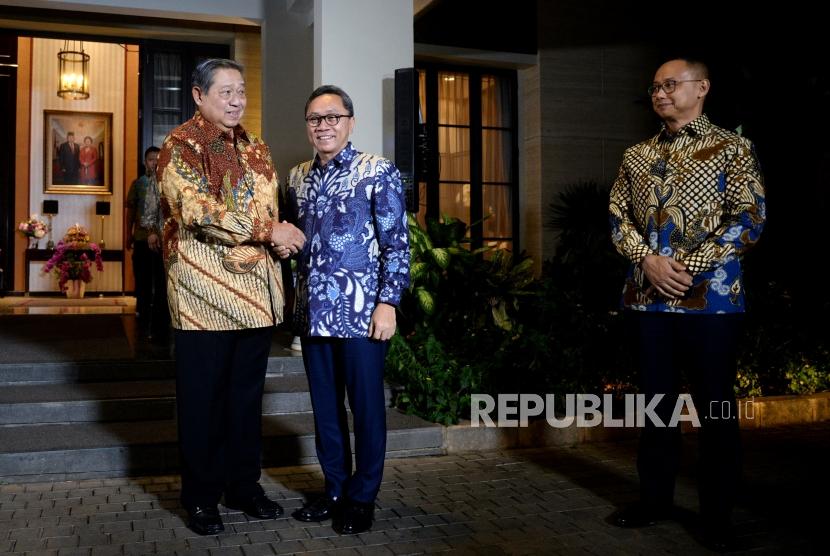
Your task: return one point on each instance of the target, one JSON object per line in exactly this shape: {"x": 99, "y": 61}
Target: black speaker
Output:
{"x": 102, "y": 208}
{"x": 50, "y": 207}
{"x": 407, "y": 128}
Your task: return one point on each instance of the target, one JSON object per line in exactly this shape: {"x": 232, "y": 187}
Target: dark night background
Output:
{"x": 768, "y": 68}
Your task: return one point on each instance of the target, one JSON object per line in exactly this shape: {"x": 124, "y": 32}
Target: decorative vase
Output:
{"x": 75, "y": 289}
{"x": 33, "y": 241}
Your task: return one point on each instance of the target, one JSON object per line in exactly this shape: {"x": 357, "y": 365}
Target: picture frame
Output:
{"x": 77, "y": 152}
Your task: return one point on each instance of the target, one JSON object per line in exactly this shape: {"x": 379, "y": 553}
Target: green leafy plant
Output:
{"x": 436, "y": 387}
{"x": 585, "y": 265}
{"x": 458, "y": 301}
{"x": 477, "y": 321}
{"x": 747, "y": 384}
{"x": 783, "y": 351}
{"x": 806, "y": 378}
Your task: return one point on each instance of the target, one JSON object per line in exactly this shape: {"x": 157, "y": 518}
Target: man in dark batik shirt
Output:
{"x": 687, "y": 204}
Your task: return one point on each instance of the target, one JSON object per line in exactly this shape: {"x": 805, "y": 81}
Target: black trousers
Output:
{"x": 705, "y": 346}
{"x": 220, "y": 377}
{"x": 150, "y": 287}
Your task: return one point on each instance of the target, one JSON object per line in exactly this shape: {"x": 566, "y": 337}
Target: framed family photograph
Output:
{"x": 77, "y": 152}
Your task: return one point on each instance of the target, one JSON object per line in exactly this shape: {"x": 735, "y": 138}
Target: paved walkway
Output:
{"x": 552, "y": 501}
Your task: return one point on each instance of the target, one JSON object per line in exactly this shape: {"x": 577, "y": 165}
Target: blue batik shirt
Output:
{"x": 356, "y": 255}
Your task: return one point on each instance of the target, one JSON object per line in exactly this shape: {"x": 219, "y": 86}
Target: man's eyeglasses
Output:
{"x": 668, "y": 86}
{"x": 331, "y": 119}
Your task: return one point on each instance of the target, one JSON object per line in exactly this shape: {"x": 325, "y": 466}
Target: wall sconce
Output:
{"x": 102, "y": 209}
{"x": 73, "y": 72}
{"x": 50, "y": 208}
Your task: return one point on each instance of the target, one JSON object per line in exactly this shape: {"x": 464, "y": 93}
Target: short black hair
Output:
{"x": 202, "y": 76}
{"x": 151, "y": 150}
{"x": 698, "y": 66}
{"x": 331, "y": 90}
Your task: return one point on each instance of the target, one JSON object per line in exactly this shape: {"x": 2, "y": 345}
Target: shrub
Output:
{"x": 461, "y": 308}
{"x": 476, "y": 321}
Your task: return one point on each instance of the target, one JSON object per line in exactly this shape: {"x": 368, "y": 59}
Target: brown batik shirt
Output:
{"x": 219, "y": 201}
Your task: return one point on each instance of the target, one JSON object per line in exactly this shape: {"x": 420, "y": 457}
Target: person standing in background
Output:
{"x": 144, "y": 221}
{"x": 687, "y": 204}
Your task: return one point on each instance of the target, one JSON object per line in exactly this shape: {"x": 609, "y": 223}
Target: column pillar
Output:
{"x": 354, "y": 44}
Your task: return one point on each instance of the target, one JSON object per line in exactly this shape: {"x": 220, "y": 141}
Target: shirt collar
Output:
{"x": 696, "y": 128}
{"x": 212, "y": 131}
{"x": 345, "y": 156}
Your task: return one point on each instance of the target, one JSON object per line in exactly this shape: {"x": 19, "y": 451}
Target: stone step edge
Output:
{"x": 275, "y": 402}
{"x": 120, "y": 390}
{"x": 64, "y": 373}
{"x": 162, "y": 456}
{"x": 118, "y": 474}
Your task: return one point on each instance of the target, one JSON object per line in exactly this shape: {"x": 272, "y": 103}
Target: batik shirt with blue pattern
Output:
{"x": 697, "y": 196}
{"x": 356, "y": 255}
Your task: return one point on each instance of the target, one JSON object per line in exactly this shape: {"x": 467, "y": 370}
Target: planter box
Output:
{"x": 773, "y": 411}
{"x": 768, "y": 411}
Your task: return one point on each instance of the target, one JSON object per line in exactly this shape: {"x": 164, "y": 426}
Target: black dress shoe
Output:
{"x": 639, "y": 515}
{"x": 259, "y": 506}
{"x": 205, "y": 520}
{"x": 357, "y": 517}
{"x": 323, "y": 508}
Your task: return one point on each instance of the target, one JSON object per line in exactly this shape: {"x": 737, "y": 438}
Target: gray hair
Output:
{"x": 331, "y": 90}
{"x": 202, "y": 77}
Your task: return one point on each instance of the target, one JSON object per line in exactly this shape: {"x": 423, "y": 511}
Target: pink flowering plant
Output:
{"x": 33, "y": 227}
{"x": 71, "y": 259}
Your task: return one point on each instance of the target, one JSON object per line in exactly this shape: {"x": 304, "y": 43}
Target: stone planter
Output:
{"x": 773, "y": 411}
{"x": 754, "y": 413}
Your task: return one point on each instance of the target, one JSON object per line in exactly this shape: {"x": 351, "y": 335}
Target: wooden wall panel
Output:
{"x": 106, "y": 94}
{"x": 247, "y": 51}
{"x": 131, "y": 149}
{"x": 21, "y": 163}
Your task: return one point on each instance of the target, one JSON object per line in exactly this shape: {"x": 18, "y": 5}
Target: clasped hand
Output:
{"x": 287, "y": 239}
{"x": 667, "y": 276}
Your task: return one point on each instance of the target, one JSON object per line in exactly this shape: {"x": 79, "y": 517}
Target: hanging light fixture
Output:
{"x": 73, "y": 72}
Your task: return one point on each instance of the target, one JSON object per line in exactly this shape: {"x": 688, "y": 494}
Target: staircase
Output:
{"x": 110, "y": 418}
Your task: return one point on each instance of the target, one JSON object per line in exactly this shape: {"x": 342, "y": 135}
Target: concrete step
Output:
{"x": 32, "y": 452}
{"x": 126, "y": 370}
{"x": 70, "y": 410}
{"x": 27, "y": 403}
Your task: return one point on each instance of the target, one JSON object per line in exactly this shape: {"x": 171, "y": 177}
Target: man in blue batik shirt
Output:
{"x": 351, "y": 274}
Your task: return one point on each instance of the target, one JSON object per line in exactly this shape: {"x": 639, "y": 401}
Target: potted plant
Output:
{"x": 71, "y": 261}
